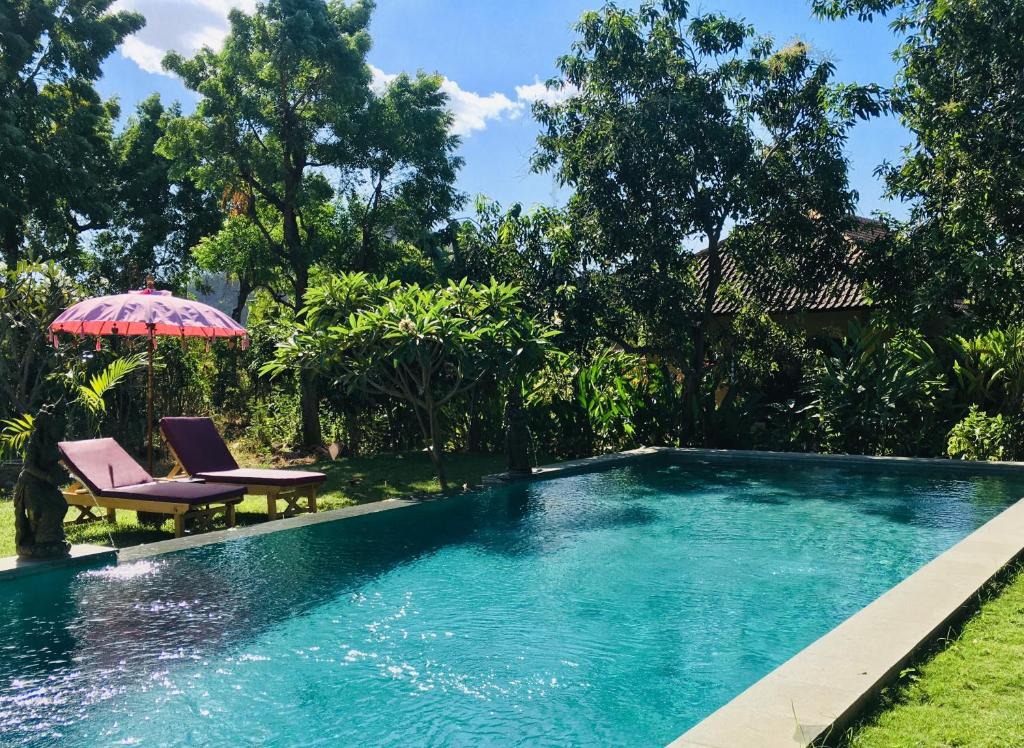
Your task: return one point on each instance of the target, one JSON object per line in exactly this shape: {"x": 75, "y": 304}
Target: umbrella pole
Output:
{"x": 149, "y": 406}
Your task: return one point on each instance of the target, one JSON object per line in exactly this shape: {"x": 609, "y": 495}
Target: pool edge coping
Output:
{"x": 818, "y": 693}
{"x": 161, "y": 547}
{"x": 80, "y": 555}
{"x": 586, "y": 464}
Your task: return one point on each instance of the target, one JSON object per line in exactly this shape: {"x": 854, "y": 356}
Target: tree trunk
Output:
{"x": 309, "y": 394}
{"x": 473, "y": 432}
{"x": 309, "y": 404}
{"x": 244, "y": 289}
{"x": 518, "y": 440}
{"x": 691, "y": 393}
{"x": 436, "y": 444}
{"x": 11, "y": 240}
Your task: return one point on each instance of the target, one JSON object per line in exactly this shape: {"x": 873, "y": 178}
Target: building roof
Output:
{"x": 844, "y": 292}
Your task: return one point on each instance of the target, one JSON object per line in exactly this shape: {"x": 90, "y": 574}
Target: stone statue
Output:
{"x": 39, "y": 505}
{"x": 518, "y": 439}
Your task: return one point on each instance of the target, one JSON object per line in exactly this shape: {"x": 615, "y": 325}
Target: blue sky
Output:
{"x": 495, "y": 54}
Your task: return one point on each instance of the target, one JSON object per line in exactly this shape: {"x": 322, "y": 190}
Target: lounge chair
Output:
{"x": 108, "y": 478}
{"x": 200, "y": 451}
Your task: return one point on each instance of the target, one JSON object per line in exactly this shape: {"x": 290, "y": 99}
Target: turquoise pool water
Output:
{"x": 617, "y": 607}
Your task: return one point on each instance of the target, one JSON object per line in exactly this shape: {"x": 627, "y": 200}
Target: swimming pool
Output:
{"x": 611, "y": 607}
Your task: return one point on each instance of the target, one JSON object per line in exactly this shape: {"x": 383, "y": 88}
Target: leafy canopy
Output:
{"x": 960, "y": 93}
{"x": 679, "y": 130}
{"x": 55, "y": 129}
{"x": 424, "y": 346}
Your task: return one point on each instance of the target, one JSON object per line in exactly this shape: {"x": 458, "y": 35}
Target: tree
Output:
{"x": 960, "y": 93}
{"x": 156, "y": 220}
{"x": 401, "y": 184}
{"x": 422, "y": 346}
{"x": 54, "y": 129}
{"x": 534, "y": 250}
{"x": 287, "y": 104}
{"x": 31, "y": 296}
{"x": 679, "y": 128}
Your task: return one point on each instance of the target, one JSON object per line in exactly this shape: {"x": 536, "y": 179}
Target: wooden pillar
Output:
{"x": 149, "y": 402}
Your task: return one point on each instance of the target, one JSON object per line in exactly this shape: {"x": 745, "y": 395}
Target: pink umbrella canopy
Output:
{"x": 146, "y": 312}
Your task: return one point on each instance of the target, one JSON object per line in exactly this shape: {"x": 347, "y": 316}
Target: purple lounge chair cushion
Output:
{"x": 102, "y": 464}
{"x": 109, "y": 471}
{"x": 255, "y": 477}
{"x": 179, "y": 492}
{"x": 197, "y": 444}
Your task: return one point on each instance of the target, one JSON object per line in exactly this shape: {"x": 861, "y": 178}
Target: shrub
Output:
{"x": 980, "y": 436}
{"x": 879, "y": 392}
{"x": 989, "y": 369}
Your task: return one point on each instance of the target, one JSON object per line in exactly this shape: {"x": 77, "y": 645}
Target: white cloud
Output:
{"x": 207, "y": 36}
{"x": 179, "y": 25}
{"x": 473, "y": 111}
{"x": 538, "y": 91}
{"x": 184, "y": 26}
{"x": 146, "y": 56}
{"x": 380, "y": 79}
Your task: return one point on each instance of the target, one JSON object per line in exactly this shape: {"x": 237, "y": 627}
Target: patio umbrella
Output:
{"x": 147, "y": 312}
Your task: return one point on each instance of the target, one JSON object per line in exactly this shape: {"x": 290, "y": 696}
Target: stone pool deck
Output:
{"x": 12, "y": 567}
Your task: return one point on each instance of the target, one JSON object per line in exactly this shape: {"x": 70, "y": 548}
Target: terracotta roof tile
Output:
{"x": 842, "y": 293}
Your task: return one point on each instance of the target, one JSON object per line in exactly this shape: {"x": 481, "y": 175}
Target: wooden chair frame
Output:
{"x": 86, "y": 502}
{"x": 291, "y": 495}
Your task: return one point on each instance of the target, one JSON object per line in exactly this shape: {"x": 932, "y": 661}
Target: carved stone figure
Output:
{"x": 39, "y": 505}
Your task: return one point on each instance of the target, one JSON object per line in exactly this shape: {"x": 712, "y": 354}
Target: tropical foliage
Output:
{"x": 86, "y": 400}
{"x": 425, "y": 347}
{"x": 319, "y": 201}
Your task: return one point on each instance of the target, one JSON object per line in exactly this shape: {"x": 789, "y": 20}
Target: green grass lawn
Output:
{"x": 357, "y": 480}
{"x": 969, "y": 694}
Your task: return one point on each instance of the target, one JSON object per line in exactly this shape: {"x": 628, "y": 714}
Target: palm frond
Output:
{"x": 91, "y": 394}
{"x": 15, "y": 434}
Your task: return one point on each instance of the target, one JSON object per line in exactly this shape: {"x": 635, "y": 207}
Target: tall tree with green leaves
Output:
{"x": 55, "y": 130}
{"x": 156, "y": 220}
{"x": 305, "y": 155}
{"x": 960, "y": 93}
{"x": 400, "y": 186}
{"x": 682, "y": 130}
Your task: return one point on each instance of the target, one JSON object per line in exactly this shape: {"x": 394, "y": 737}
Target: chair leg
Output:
{"x": 312, "y": 499}
{"x": 179, "y": 525}
{"x": 272, "y": 505}
{"x": 111, "y": 515}
{"x": 230, "y": 515}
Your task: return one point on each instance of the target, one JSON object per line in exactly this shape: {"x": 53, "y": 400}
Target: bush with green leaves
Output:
{"x": 879, "y": 391}
{"x": 980, "y": 436}
{"x": 424, "y": 346}
{"x": 989, "y": 370}
{"x": 31, "y": 296}
{"x": 80, "y": 394}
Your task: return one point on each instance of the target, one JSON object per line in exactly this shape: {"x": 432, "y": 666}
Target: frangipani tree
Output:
{"x": 422, "y": 346}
